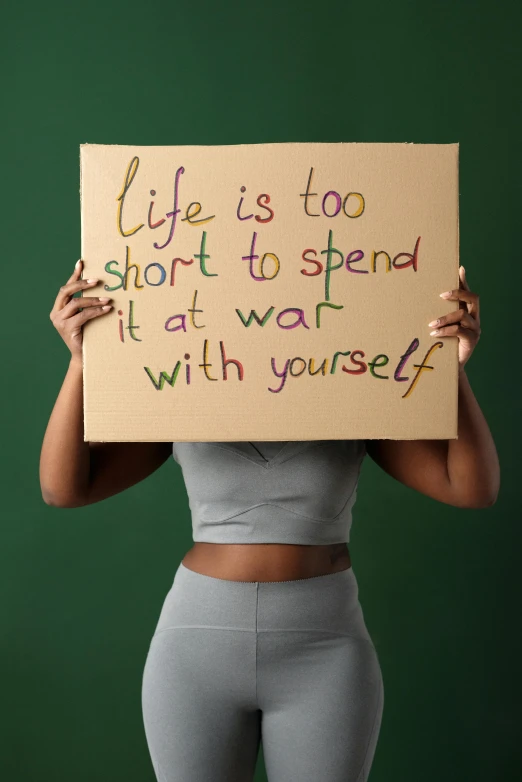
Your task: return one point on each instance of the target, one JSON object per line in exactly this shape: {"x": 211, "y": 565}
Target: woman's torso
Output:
{"x": 257, "y": 561}
{"x": 266, "y": 561}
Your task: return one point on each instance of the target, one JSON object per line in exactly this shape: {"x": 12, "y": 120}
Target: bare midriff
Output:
{"x": 266, "y": 561}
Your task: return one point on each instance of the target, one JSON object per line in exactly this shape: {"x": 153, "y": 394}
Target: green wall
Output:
{"x": 82, "y": 589}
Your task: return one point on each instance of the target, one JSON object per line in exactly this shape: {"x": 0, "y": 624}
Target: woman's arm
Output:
{"x": 463, "y": 472}
{"x": 73, "y": 472}
{"x": 65, "y": 457}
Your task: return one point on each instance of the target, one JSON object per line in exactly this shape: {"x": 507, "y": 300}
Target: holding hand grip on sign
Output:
{"x": 463, "y": 323}
{"x": 65, "y": 314}
{"x": 73, "y": 471}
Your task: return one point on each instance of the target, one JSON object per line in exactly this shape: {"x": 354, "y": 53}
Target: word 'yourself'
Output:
{"x": 359, "y": 367}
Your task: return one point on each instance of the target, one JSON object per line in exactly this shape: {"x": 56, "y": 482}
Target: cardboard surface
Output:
{"x": 312, "y": 268}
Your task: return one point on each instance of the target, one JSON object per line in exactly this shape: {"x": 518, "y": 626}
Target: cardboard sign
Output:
{"x": 270, "y": 291}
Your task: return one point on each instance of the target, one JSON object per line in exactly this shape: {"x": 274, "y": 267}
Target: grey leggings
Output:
{"x": 290, "y": 664}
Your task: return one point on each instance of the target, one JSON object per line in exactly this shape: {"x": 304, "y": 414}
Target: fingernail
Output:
{"x": 107, "y": 307}
{"x": 78, "y": 262}
{"x": 95, "y": 279}
{"x": 105, "y": 298}
{"x": 445, "y": 295}
{"x": 434, "y": 322}
{"x": 434, "y": 332}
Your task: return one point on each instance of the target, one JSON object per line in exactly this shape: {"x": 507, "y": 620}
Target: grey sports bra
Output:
{"x": 299, "y": 492}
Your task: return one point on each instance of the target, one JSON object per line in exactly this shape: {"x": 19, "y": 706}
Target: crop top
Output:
{"x": 299, "y": 492}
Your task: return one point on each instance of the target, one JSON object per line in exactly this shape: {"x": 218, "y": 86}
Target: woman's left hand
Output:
{"x": 465, "y": 321}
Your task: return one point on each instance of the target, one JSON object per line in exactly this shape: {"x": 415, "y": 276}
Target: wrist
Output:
{"x": 463, "y": 380}
{"x": 76, "y": 364}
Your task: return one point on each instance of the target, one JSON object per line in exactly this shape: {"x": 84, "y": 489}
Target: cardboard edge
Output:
{"x": 457, "y": 253}
{"x": 278, "y": 144}
{"x": 82, "y": 234}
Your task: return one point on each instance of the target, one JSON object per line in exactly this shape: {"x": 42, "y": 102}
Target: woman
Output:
{"x": 262, "y": 636}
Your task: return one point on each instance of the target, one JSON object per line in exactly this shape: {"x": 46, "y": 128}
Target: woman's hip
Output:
{"x": 290, "y": 663}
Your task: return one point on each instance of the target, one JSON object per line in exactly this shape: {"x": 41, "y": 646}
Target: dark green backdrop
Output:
{"x": 82, "y": 589}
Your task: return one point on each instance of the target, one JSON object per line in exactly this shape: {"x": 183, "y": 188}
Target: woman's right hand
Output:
{"x": 65, "y": 316}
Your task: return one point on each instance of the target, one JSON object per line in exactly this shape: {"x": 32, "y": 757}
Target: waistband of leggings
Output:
{"x": 340, "y": 576}
{"x": 329, "y": 602}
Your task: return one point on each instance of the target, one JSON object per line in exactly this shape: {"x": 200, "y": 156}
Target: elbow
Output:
{"x": 477, "y": 494}
{"x": 55, "y": 501}
{"x": 490, "y": 499}
{"x": 479, "y": 500}
{"x": 490, "y": 494}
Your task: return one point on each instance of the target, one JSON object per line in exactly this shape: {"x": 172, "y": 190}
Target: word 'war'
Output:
{"x": 297, "y": 366}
